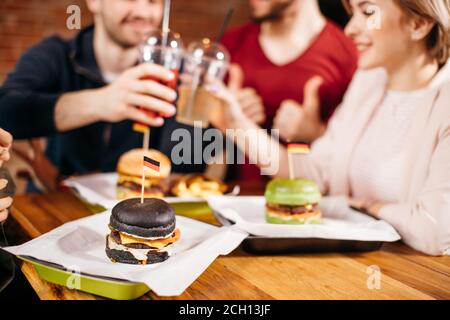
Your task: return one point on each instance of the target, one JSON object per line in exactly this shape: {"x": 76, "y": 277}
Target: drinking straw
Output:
{"x": 225, "y": 24}
{"x": 166, "y": 22}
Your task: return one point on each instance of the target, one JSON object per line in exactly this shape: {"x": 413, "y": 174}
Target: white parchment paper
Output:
{"x": 340, "y": 222}
{"x": 80, "y": 246}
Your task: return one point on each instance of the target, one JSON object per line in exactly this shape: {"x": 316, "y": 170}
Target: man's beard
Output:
{"x": 120, "y": 42}
{"x": 115, "y": 35}
{"x": 276, "y": 12}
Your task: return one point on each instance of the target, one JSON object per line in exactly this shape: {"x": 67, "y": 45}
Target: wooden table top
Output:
{"x": 405, "y": 273}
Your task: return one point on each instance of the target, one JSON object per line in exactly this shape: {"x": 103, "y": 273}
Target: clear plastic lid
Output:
{"x": 158, "y": 38}
{"x": 209, "y": 50}
{"x": 208, "y": 58}
{"x": 162, "y": 48}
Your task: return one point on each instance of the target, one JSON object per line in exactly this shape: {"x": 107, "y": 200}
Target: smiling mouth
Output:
{"x": 140, "y": 27}
{"x": 362, "y": 47}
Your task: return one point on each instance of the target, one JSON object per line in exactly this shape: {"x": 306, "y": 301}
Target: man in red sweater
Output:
{"x": 289, "y": 52}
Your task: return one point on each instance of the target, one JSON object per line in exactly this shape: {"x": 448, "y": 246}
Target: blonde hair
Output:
{"x": 438, "y": 11}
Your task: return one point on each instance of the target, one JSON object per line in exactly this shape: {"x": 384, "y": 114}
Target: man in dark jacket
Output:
{"x": 83, "y": 94}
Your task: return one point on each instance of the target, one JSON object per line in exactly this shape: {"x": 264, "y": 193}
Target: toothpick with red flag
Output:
{"x": 139, "y": 127}
{"x": 145, "y": 130}
{"x": 295, "y": 149}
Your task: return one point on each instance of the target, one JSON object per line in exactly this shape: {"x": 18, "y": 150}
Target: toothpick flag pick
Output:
{"x": 145, "y": 130}
{"x": 294, "y": 149}
{"x": 298, "y": 149}
{"x": 142, "y": 128}
{"x": 151, "y": 164}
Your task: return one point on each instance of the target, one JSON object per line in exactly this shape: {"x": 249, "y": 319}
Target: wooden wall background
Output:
{"x": 25, "y": 22}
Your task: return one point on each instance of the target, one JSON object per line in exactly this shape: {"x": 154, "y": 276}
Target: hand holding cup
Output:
{"x": 5, "y": 145}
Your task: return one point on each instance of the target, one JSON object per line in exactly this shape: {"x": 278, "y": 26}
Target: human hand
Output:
{"x": 301, "y": 122}
{"x": 138, "y": 95}
{"x": 371, "y": 208}
{"x": 5, "y": 145}
{"x": 5, "y": 203}
{"x": 250, "y": 102}
{"x": 230, "y": 113}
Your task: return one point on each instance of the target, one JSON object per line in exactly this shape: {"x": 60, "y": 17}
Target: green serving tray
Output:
{"x": 192, "y": 209}
{"x": 107, "y": 287}
{"x": 104, "y": 287}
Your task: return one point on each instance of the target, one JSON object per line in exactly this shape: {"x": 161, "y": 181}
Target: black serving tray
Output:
{"x": 273, "y": 246}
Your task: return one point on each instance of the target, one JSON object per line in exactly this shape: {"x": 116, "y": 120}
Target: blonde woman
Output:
{"x": 388, "y": 146}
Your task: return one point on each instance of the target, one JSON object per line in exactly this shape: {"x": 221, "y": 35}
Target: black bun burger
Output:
{"x": 141, "y": 233}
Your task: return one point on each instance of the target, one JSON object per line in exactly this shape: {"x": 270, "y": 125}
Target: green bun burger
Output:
{"x": 292, "y": 202}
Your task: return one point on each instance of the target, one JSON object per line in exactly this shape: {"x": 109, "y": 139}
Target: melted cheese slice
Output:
{"x": 158, "y": 244}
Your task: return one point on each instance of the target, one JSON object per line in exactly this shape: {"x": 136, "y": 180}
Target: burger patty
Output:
{"x": 292, "y": 209}
{"x": 137, "y": 187}
{"x": 127, "y": 257}
{"x": 115, "y": 235}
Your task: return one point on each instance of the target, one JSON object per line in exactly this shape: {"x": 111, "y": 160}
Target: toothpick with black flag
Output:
{"x": 151, "y": 164}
